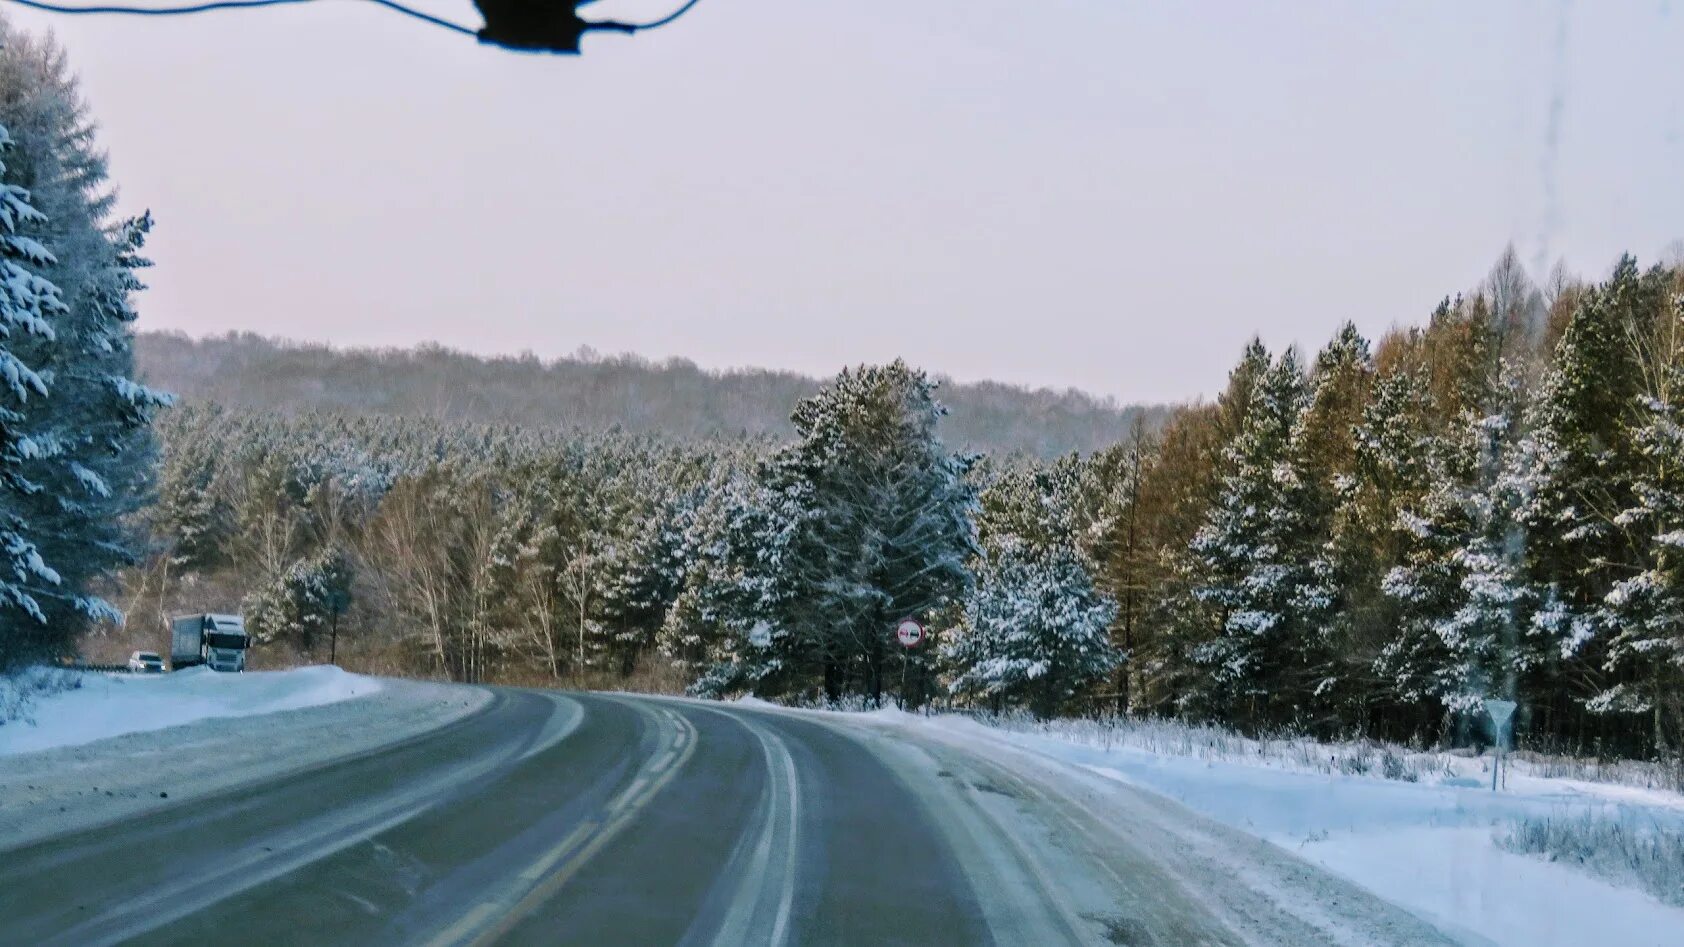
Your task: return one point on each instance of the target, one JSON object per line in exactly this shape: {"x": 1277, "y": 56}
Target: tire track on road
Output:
{"x": 496, "y": 916}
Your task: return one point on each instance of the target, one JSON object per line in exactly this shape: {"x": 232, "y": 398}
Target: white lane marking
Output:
{"x": 1058, "y": 908}
{"x": 757, "y": 904}
{"x": 780, "y": 928}
{"x": 564, "y": 721}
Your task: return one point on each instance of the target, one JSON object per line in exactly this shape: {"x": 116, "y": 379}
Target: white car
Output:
{"x": 146, "y": 662}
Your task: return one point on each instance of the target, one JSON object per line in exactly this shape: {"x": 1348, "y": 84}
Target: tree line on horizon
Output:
{"x": 673, "y": 398}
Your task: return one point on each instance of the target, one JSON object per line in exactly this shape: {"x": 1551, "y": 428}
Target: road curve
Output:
{"x": 551, "y": 818}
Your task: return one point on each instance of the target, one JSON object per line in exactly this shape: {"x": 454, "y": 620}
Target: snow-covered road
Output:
{"x": 549, "y": 818}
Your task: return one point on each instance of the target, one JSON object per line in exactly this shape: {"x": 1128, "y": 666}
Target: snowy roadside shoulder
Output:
{"x": 92, "y": 706}
{"x": 1437, "y": 846}
{"x": 124, "y": 747}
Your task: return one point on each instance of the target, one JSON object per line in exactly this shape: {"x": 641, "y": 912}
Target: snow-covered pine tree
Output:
{"x": 1580, "y": 429}
{"x": 1324, "y": 447}
{"x": 1461, "y": 595}
{"x": 1257, "y": 568}
{"x": 1486, "y": 635}
{"x": 1114, "y": 532}
{"x": 696, "y": 627}
{"x": 1379, "y": 528}
{"x": 646, "y": 576}
{"x": 752, "y": 631}
{"x": 304, "y": 604}
{"x": 1035, "y": 629}
{"x": 1034, "y": 626}
{"x": 691, "y": 628}
{"x": 1643, "y": 614}
{"x": 1324, "y": 438}
{"x": 98, "y": 416}
{"x": 861, "y": 522}
{"x": 1582, "y": 463}
{"x": 1188, "y": 474}
{"x": 28, "y": 305}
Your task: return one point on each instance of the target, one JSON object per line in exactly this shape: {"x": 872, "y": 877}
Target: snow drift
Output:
{"x": 109, "y": 705}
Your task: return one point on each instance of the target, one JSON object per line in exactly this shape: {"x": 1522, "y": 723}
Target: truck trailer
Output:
{"x": 217, "y": 641}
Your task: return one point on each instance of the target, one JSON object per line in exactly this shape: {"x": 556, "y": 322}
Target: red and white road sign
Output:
{"x": 909, "y": 632}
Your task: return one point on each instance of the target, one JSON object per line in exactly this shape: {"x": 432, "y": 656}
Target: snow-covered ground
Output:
{"x": 109, "y": 705}
{"x": 1428, "y": 845}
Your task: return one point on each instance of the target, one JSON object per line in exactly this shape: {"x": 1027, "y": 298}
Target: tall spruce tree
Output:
{"x": 1034, "y": 626}
{"x": 1116, "y": 532}
{"x": 866, "y": 519}
{"x": 28, "y": 305}
{"x": 1324, "y": 446}
{"x": 1461, "y": 596}
{"x": 1584, "y": 461}
{"x": 1387, "y": 640}
{"x": 1581, "y": 439}
{"x": 1188, "y": 475}
{"x": 97, "y": 417}
{"x": 1643, "y": 613}
{"x": 1257, "y": 569}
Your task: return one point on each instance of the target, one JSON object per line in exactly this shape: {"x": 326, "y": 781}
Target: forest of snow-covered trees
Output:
{"x": 1361, "y": 541}
{"x": 1365, "y": 540}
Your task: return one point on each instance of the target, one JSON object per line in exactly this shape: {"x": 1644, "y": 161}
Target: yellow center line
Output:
{"x": 541, "y": 867}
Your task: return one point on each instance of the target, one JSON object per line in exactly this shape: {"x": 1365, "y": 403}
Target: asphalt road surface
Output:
{"x": 595, "y": 819}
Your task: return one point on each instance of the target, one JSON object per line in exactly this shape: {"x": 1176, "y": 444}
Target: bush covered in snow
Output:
{"x": 19, "y": 691}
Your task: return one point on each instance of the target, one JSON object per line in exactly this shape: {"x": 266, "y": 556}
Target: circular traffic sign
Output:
{"x": 909, "y": 632}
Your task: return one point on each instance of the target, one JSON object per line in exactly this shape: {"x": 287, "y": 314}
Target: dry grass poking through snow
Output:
{"x": 1624, "y": 851}
{"x": 1299, "y": 753}
{"x": 1640, "y": 773}
{"x": 1203, "y": 741}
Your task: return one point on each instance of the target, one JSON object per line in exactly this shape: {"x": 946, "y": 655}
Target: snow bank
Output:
{"x": 1429, "y": 846}
{"x": 109, "y": 705}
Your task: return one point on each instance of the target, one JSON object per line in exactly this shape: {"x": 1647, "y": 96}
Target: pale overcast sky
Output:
{"x": 1104, "y": 194}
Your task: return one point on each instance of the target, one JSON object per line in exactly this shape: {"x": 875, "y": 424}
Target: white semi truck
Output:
{"x": 217, "y": 641}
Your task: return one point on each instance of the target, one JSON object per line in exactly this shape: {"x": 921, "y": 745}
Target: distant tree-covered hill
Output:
{"x": 674, "y": 397}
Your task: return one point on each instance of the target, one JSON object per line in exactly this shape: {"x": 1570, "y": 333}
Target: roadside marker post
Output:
{"x": 909, "y": 633}
{"x": 1500, "y": 712}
